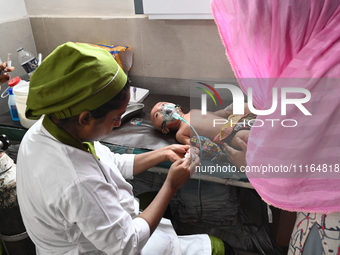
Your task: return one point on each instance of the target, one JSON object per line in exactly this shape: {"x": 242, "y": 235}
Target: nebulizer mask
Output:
{"x": 170, "y": 112}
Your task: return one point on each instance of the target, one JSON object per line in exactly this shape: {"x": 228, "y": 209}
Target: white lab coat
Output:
{"x": 73, "y": 203}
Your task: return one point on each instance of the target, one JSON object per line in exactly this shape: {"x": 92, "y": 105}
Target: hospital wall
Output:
{"x": 168, "y": 54}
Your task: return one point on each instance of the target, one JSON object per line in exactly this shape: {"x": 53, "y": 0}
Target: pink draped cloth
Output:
{"x": 289, "y": 43}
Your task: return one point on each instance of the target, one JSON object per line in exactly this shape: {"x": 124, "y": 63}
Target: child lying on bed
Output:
{"x": 236, "y": 125}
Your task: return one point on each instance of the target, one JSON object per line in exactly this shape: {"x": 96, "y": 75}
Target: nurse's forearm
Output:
{"x": 147, "y": 160}
{"x": 179, "y": 173}
{"x": 154, "y": 212}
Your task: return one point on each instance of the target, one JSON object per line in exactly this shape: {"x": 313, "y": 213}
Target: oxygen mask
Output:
{"x": 170, "y": 112}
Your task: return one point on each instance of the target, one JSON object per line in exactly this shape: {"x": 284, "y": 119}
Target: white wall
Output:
{"x": 12, "y": 10}
{"x": 84, "y": 8}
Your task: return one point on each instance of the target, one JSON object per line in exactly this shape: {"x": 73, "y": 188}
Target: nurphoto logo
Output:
{"x": 238, "y": 103}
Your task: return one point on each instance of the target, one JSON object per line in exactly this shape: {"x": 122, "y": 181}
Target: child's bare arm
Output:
{"x": 182, "y": 138}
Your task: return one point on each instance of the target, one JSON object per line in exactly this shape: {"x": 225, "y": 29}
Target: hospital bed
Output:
{"x": 217, "y": 203}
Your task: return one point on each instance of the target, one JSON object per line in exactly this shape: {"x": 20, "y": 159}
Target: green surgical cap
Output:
{"x": 74, "y": 78}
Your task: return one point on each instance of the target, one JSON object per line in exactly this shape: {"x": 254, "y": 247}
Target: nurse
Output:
{"x": 71, "y": 189}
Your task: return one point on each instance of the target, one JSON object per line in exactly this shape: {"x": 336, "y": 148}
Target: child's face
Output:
{"x": 155, "y": 115}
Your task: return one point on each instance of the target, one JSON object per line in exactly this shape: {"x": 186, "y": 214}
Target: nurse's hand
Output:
{"x": 149, "y": 159}
{"x": 236, "y": 157}
{"x": 176, "y": 151}
{"x": 181, "y": 171}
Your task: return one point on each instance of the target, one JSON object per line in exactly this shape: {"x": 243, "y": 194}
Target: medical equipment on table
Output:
{"x": 132, "y": 110}
{"x": 138, "y": 94}
{"x": 138, "y": 122}
{"x": 134, "y": 93}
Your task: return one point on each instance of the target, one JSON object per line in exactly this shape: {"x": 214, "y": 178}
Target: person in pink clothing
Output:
{"x": 291, "y": 44}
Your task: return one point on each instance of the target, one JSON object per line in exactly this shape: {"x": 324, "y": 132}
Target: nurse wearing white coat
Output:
{"x": 71, "y": 189}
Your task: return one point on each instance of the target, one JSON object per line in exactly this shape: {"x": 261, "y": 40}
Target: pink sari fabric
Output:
{"x": 290, "y": 43}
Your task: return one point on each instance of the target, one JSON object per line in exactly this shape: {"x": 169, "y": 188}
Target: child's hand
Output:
{"x": 181, "y": 171}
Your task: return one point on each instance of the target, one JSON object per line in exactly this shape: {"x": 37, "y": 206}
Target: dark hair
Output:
{"x": 112, "y": 104}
